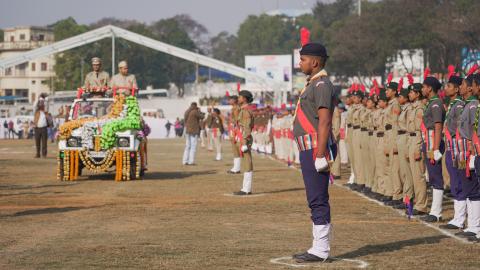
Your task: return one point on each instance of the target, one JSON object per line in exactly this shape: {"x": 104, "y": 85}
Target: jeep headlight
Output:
{"x": 123, "y": 142}
{"x": 74, "y": 142}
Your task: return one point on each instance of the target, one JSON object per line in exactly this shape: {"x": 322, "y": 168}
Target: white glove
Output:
{"x": 244, "y": 148}
{"x": 437, "y": 155}
{"x": 321, "y": 164}
{"x": 471, "y": 164}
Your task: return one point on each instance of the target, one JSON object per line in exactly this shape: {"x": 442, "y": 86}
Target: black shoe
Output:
{"x": 393, "y": 202}
{"x": 299, "y": 255}
{"x": 474, "y": 239}
{"x": 415, "y": 212}
{"x": 359, "y": 188}
{"x": 241, "y": 193}
{"x": 309, "y": 258}
{"x": 431, "y": 219}
{"x": 399, "y": 206}
{"x": 465, "y": 234}
{"x": 232, "y": 172}
{"x": 336, "y": 177}
{"x": 386, "y": 199}
{"x": 449, "y": 227}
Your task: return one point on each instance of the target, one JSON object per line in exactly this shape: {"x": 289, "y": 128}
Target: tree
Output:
{"x": 68, "y": 64}
{"x": 278, "y": 35}
{"x": 224, "y": 48}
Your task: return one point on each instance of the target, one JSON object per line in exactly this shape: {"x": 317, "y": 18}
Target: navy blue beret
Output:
{"x": 314, "y": 49}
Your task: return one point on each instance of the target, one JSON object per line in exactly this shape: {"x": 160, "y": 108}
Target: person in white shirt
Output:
{"x": 41, "y": 134}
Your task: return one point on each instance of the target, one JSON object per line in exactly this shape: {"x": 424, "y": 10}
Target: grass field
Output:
{"x": 182, "y": 217}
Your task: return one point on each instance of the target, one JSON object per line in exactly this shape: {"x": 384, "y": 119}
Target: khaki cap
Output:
{"x": 122, "y": 64}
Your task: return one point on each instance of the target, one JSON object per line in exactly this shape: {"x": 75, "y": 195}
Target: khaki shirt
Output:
{"x": 414, "y": 123}
{"x": 234, "y": 114}
{"x": 402, "y": 118}
{"x": 336, "y": 121}
{"x": 97, "y": 80}
{"x": 245, "y": 121}
{"x": 356, "y": 114}
{"x": 121, "y": 81}
{"x": 391, "y": 119}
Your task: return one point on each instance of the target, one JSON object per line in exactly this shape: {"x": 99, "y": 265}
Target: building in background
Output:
{"x": 30, "y": 79}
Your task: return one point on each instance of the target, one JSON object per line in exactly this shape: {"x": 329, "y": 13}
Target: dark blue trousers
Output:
{"x": 471, "y": 185}
{"x": 316, "y": 187}
{"x": 435, "y": 176}
{"x": 455, "y": 178}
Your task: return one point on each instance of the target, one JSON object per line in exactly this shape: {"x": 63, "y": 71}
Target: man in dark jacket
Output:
{"x": 193, "y": 116}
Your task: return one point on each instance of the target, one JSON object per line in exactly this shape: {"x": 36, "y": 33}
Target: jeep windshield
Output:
{"x": 91, "y": 108}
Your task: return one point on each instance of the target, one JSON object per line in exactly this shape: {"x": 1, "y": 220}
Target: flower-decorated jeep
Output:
{"x": 100, "y": 133}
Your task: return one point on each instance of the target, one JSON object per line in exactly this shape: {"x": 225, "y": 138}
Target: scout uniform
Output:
{"x": 402, "y": 141}
{"x": 356, "y": 144}
{"x": 318, "y": 93}
{"x": 454, "y": 111}
{"x": 434, "y": 113}
{"x": 366, "y": 129}
{"x": 244, "y": 143}
{"x": 415, "y": 157}
{"x": 96, "y": 81}
{"x": 233, "y": 130}
{"x": 123, "y": 84}
{"x": 393, "y": 183}
{"x": 381, "y": 159}
{"x": 349, "y": 142}
{"x": 369, "y": 149}
{"x": 467, "y": 124}
{"x": 336, "y": 135}
{"x": 374, "y": 143}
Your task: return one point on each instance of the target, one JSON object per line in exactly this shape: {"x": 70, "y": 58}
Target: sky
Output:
{"x": 216, "y": 15}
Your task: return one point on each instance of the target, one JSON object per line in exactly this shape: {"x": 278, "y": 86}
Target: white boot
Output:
{"x": 437, "y": 200}
{"x": 474, "y": 217}
{"x": 219, "y": 157}
{"x": 237, "y": 162}
{"x": 247, "y": 182}
{"x": 321, "y": 241}
{"x": 460, "y": 212}
{"x": 269, "y": 148}
{"x": 351, "y": 180}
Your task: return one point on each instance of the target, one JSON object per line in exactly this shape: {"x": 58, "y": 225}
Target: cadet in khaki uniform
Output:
{"x": 363, "y": 117}
{"x": 336, "y": 135}
{"x": 245, "y": 123}
{"x": 217, "y": 132}
{"x": 97, "y": 80}
{"x": 368, "y": 146}
{"x": 393, "y": 183}
{"x": 374, "y": 143}
{"x": 415, "y": 157}
{"x": 381, "y": 158}
{"x": 123, "y": 83}
{"x": 349, "y": 137}
{"x": 356, "y": 142}
{"x": 233, "y": 129}
{"x": 402, "y": 139}
{"x": 434, "y": 147}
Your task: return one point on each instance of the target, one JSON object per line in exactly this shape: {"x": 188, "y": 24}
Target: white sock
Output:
{"x": 247, "y": 182}
{"x": 321, "y": 241}
{"x": 437, "y": 200}
{"x": 460, "y": 209}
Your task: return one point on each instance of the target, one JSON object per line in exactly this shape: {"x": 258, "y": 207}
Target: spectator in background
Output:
{"x": 168, "y": 126}
{"x": 178, "y": 128}
{"x": 41, "y": 124}
{"x": 11, "y": 130}
{"x": 193, "y": 116}
{"x": 5, "y": 129}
